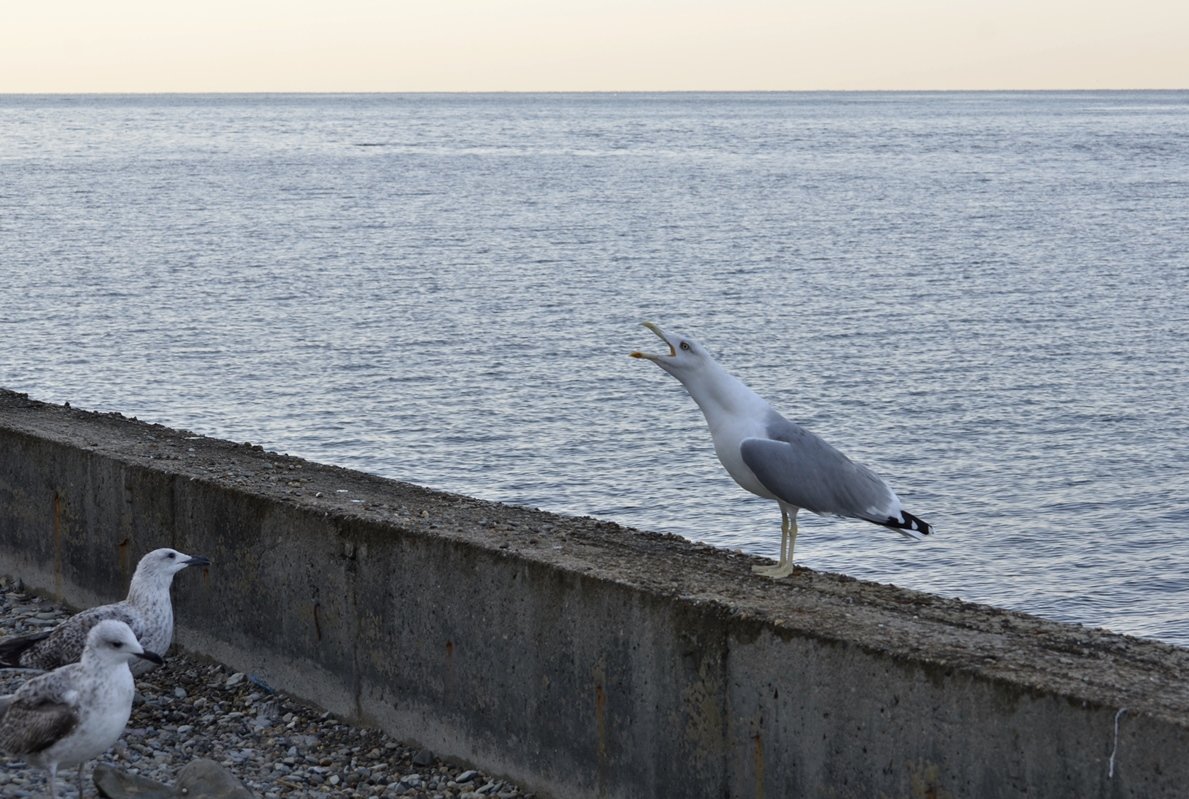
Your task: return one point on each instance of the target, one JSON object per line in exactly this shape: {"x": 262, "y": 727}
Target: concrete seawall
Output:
{"x": 580, "y": 658}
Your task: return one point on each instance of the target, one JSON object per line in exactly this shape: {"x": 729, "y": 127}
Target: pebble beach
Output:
{"x": 276, "y": 745}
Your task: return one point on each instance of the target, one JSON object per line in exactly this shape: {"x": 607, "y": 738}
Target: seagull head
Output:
{"x": 685, "y": 359}
{"x": 163, "y": 564}
{"x": 112, "y": 641}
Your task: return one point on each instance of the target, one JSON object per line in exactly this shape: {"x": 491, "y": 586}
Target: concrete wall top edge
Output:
{"x": 941, "y": 635}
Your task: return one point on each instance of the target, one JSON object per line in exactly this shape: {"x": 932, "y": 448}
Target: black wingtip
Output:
{"x": 910, "y": 523}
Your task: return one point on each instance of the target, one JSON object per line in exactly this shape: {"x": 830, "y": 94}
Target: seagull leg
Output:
{"x": 80, "y": 779}
{"x": 788, "y": 537}
{"x": 52, "y": 770}
{"x": 786, "y": 546}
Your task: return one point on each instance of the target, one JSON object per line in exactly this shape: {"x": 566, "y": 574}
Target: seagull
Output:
{"x": 76, "y": 712}
{"x": 147, "y": 610}
{"x": 776, "y": 459}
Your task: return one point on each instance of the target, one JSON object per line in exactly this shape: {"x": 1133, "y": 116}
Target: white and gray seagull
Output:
{"x": 775, "y": 458}
{"x": 76, "y": 712}
{"x": 147, "y": 610}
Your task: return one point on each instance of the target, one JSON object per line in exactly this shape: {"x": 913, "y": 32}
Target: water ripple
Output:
{"x": 980, "y": 295}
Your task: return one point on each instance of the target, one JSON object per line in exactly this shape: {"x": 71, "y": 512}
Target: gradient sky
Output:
{"x": 587, "y": 45}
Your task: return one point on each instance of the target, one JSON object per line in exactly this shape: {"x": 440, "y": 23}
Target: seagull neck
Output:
{"x": 145, "y": 591}
{"x": 720, "y": 394}
{"x": 90, "y": 660}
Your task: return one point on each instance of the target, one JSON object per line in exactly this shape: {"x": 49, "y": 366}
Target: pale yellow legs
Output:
{"x": 788, "y": 537}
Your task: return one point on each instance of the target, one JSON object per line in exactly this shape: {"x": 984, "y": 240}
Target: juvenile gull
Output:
{"x": 775, "y": 458}
{"x": 76, "y": 712}
{"x": 147, "y": 610}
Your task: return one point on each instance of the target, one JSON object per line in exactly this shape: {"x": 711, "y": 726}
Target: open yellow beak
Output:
{"x": 660, "y": 334}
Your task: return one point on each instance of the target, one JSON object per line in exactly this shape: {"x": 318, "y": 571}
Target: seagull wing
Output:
{"x": 803, "y": 470}
{"x": 11, "y": 649}
{"x": 37, "y": 719}
{"x": 64, "y": 644}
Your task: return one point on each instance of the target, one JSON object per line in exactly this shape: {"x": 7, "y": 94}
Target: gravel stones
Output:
{"x": 275, "y": 745}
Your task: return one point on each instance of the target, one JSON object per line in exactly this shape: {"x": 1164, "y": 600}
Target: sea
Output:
{"x": 983, "y": 296}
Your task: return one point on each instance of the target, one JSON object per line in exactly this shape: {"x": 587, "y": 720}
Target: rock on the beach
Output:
{"x": 202, "y": 779}
{"x": 206, "y": 779}
{"x": 115, "y": 784}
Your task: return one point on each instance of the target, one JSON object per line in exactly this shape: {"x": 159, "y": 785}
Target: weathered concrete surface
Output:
{"x": 575, "y": 656}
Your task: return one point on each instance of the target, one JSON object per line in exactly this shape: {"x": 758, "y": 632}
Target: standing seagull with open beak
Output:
{"x": 776, "y": 459}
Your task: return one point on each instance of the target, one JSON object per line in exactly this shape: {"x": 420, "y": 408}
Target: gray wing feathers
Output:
{"x": 65, "y": 642}
{"x": 35, "y": 720}
{"x": 803, "y": 470}
{"x": 13, "y": 649}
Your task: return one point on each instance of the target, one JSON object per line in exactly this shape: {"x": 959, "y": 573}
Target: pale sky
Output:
{"x": 590, "y": 45}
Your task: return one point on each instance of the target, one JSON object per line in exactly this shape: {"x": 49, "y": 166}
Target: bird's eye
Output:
{"x": 685, "y": 345}
{"x": 116, "y": 644}
{"x": 171, "y": 555}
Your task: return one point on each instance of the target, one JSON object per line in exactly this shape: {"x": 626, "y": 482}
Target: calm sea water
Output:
{"x": 983, "y": 296}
